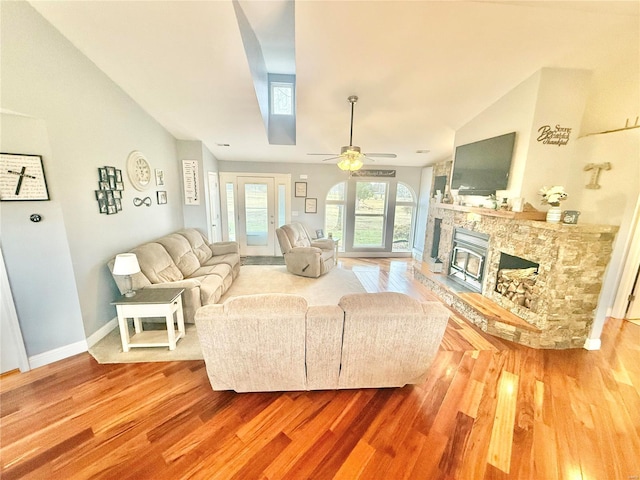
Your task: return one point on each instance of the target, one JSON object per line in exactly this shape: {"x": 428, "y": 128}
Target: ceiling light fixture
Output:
{"x": 350, "y": 158}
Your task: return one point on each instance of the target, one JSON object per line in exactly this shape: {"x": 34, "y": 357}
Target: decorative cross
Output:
{"x": 20, "y": 174}
{"x": 595, "y": 169}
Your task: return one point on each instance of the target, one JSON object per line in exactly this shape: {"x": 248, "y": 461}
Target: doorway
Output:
{"x": 253, "y": 206}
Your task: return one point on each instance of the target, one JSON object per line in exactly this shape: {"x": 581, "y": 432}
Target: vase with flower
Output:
{"x": 552, "y": 196}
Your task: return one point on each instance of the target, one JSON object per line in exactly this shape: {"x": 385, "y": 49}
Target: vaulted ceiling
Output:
{"x": 422, "y": 69}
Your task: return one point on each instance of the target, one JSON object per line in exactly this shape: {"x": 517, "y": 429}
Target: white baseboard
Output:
{"x": 102, "y": 332}
{"x": 592, "y": 344}
{"x": 57, "y": 354}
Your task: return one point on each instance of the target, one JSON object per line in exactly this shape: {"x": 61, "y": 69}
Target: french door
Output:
{"x": 256, "y": 215}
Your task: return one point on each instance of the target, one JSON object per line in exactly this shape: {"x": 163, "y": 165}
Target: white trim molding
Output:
{"x": 592, "y": 344}
{"x": 102, "y": 332}
{"x": 45, "y": 358}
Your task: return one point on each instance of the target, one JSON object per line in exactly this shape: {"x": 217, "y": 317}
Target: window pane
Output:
{"x": 257, "y": 214}
{"x": 403, "y": 194}
{"x": 336, "y": 193}
{"x": 369, "y": 231}
{"x": 334, "y": 221}
{"x": 371, "y": 198}
{"x": 402, "y": 229}
{"x": 281, "y": 99}
{"x": 231, "y": 212}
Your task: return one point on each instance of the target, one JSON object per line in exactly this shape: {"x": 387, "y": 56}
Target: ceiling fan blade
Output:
{"x": 332, "y": 158}
{"x": 381, "y": 155}
{"x": 323, "y": 154}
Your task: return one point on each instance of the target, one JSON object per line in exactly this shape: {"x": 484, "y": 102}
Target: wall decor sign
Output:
{"x": 311, "y": 205}
{"x": 301, "y": 189}
{"x": 554, "y": 135}
{"x": 159, "y": 177}
{"x": 595, "y": 169}
{"x": 373, "y": 173}
{"x": 22, "y": 178}
{"x": 190, "y": 178}
{"x": 111, "y": 186}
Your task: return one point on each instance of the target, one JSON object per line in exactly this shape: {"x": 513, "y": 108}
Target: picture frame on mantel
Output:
{"x": 301, "y": 189}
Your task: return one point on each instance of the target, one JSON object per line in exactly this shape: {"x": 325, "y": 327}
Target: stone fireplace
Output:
{"x": 555, "y": 270}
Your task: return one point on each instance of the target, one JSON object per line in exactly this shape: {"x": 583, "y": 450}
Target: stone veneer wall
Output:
{"x": 572, "y": 259}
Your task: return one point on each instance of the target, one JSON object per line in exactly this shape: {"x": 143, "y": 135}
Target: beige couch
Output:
{"x": 303, "y": 255}
{"x": 186, "y": 260}
{"x": 276, "y": 342}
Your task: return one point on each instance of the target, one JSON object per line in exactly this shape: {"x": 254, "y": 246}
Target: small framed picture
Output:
{"x": 110, "y": 199}
{"x": 117, "y": 194}
{"x": 102, "y": 204}
{"x": 311, "y": 205}
{"x": 159, "y": 177}
{"x": 118, "y": 204}
{"x": 301, "y": 189}
{"x": 102, "y": 173}
{"x": 319, "y": 233}
{"x": 118, "y": 176}
{"x": 162, "y": 197}
{"x": 100, "y": 195}
{"x": 104, "y": 185}
{"x": 112, "y": 182}
{"x": 120, "y": 186}
{"x": 111, "y": 171}
{"x": 111, "y": 209}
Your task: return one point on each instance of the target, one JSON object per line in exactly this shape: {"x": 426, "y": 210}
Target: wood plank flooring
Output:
{"x": 488, "y": 410}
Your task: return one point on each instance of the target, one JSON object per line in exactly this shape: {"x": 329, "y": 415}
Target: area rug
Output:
{"x": 262, "y": 260}
{"x": 326, "y": 290}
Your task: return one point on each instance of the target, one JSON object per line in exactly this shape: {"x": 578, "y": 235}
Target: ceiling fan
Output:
{"x": 351, "y": 157}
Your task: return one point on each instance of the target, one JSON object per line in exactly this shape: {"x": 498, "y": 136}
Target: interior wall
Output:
{"x": 91, "y": 123}
{"x": 319, "y": 178}
{"x": 196, "y": 216}
{"x": 34, "y": 250}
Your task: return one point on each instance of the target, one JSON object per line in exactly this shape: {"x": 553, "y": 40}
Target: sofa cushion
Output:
{"x": 198, "y": 244}
{"x": 181, "y": 253}
{"x": 211, "y": 289}
{"x": 231, "y": 259}
{"x": 156, "y": 263}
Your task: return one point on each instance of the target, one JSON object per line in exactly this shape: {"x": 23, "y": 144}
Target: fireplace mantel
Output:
{"x": 529, "y": 215}
{"x": 572, "y": 261}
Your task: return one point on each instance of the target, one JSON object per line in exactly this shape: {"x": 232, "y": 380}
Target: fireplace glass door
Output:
{"x": 467, "y": 263}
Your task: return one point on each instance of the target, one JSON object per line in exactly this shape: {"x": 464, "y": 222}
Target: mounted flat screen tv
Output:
{"x": 482, "y": 167}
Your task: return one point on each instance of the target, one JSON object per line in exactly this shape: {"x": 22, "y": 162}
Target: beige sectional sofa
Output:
{"x": 186, "y": 260}
{"x": 276, "y": 342}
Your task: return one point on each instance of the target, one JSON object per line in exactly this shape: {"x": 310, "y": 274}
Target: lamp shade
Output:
{"x": 126, "y": 264}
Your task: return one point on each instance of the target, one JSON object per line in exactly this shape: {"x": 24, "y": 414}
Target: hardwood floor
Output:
{"x": 488, "y": 410}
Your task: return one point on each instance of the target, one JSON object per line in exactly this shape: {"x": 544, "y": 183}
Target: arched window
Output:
{"x": 403, "y": 224}
{"x": 334, "y": 215}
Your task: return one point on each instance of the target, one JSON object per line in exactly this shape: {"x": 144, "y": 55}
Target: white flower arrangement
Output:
{"x": 553, "y": 195}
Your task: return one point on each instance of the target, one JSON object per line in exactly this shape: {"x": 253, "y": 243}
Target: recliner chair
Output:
{"x": 302, "y": 255}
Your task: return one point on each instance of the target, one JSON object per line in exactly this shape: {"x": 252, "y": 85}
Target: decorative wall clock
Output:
{"x": 22, "y": 178}
{"x": 139, "y": 171}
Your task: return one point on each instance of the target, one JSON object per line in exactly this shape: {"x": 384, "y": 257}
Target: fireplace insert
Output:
{"x": 468, "y": 258}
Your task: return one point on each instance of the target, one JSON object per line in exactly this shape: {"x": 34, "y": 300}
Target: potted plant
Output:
{"x": 553, "y": 196}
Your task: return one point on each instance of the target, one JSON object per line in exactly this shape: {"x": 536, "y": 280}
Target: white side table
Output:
{"x": 151, "y": 302}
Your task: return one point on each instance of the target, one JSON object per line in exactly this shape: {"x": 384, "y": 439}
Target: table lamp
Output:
{"x": 126, "y": 264}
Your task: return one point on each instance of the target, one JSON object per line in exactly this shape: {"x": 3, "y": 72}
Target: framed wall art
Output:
{"x": 311, "y": 205}
{"x": 22, "y": 178}
{"x": 111, "y": 186}
{"x": 301, "y": 189}
{"x": 162, "y": 197}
